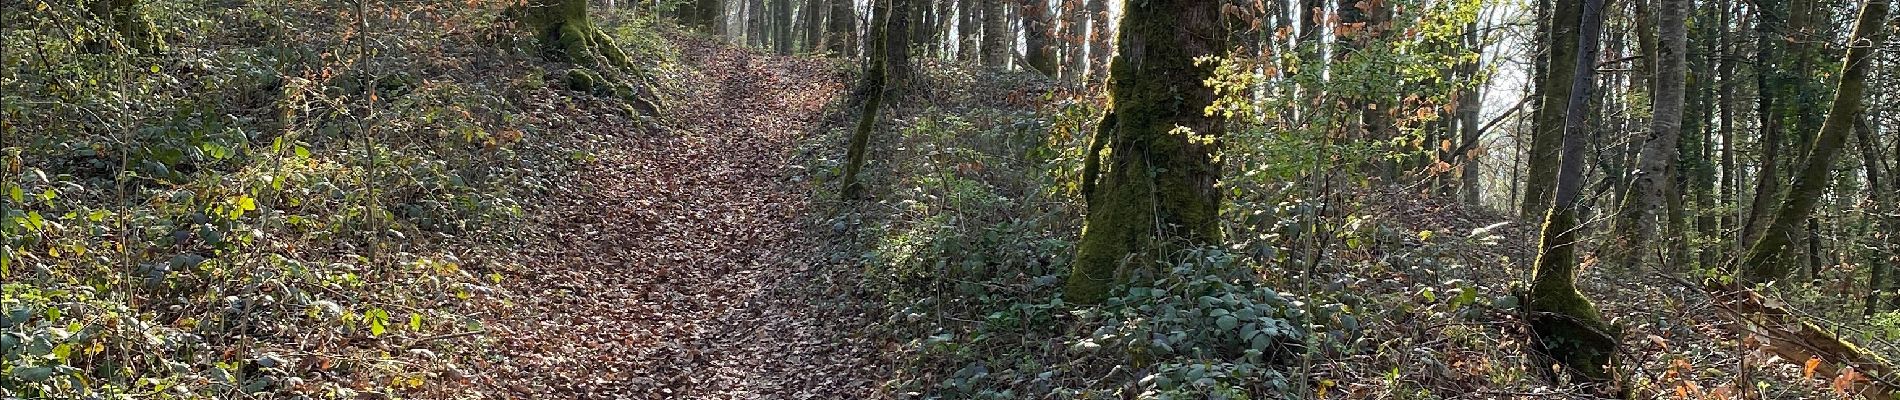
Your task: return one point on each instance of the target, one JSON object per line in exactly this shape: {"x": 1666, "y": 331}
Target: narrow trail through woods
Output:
{"x": 677, "y": 264}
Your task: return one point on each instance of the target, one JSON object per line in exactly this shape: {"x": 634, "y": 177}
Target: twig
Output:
{"x": 413, "y": 343}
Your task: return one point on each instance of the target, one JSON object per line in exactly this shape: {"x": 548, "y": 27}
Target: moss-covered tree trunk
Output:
{"x": 873, "y": 88}
{"x": 1554, "y": 92}
{"x": 1761, "y": 263}
{"x": 132, "y": 29}
{"x": 1567, "y": 326}
{"x": 567, "y": 33}
{"x": 1155, "y": 183}
{"x": 1636, "y": 226}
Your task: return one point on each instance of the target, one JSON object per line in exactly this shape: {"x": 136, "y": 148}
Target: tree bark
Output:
{"x": 1099, "y": 34}
{"x": 1470, "y": 103}
{"x": 1761, "y": 263}
{"x": 969, "y": 35}
{"x": 1769, "y": 85}
{"x": 1036, "y": 33}
{"x": 710, "y": 16}
{"x": 996, "y": 38}
{"x": 1568, "y": 327}
{"x": 1636, "y": 225}
{"x": 755, "y": 23}
{"x": 1547, "y": 131}
{"x": 1156, "y": 186}
{"x": 873, "y": 87}
{"x": 782, "y": 27}
{"x": 814, "y": 16}
{"x": 841, "y": 29}
{"x": 1075, "y": 21}
{"x": 1881, "y": 197}
{"x": 896, "y": 44}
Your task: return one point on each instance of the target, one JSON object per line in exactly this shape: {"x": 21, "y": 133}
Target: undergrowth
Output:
{"x": 269, "y": 206}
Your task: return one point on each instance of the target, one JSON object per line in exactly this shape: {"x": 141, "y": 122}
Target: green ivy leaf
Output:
{"x": 378, "y": 321}
{"x": 33, "y": 374}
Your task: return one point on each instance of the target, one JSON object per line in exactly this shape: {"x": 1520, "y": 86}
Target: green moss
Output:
{"x": 1568, "y": 327}
{"x": 581, "y": 80}
{"x": 566, "y": 33}
{"x": 874, "y": 80}
{"x": 1155, "y": 191}
{"x": 1553, "y": 93}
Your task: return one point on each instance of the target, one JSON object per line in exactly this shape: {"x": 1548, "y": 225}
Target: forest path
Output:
{"x": 676, "y": 265}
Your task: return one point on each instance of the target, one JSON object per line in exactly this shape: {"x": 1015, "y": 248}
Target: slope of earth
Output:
{"x": 674, "y": 264}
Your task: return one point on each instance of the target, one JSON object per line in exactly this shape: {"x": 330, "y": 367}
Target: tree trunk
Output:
{"x": 1156, "y": 188}
{"x": 1636, "y": 224}
{"x": 710, "y": 16}
{"x": 755, "y": 23}
{"x": 1074, "y": 41}
{"x": 1761, "y": 263}
{"x": 1769, "y": 86}
{"x": 1725, "y": 69}
{"x": 968, "y": 32}
{"x": 1099, "y": 35}
{"x": 1470, "y": 103}
{"x": 876, "y": 50}
{"x": 896, "y": 43}
{"x": 814, "y": 16}
{"x": 996, "y": 38}
{"x": 1547, "y": 131}
{"x": 1036, "y": 33}
{"x": 1881, "y": 197}
{"x": 782, "y": 27}
{"x": 1568, "y": 327}
{"x": 1697, "y": 155}
{"x": 841, "y": 28}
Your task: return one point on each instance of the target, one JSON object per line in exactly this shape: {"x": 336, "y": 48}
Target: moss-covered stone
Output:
{"x": 1154, "y": 189}
{"x": 582, "y": 80}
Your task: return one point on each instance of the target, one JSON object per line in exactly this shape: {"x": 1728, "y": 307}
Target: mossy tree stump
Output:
{"x": 565, "y": 33}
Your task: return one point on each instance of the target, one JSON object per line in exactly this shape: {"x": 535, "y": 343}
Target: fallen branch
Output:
{"x": 1788, "y": 336}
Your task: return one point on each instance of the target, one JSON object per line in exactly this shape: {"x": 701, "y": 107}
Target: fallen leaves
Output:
{"x": 674, "y": 265}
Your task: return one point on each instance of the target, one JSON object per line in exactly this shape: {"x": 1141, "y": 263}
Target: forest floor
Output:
{"x": 678, "y": 264}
